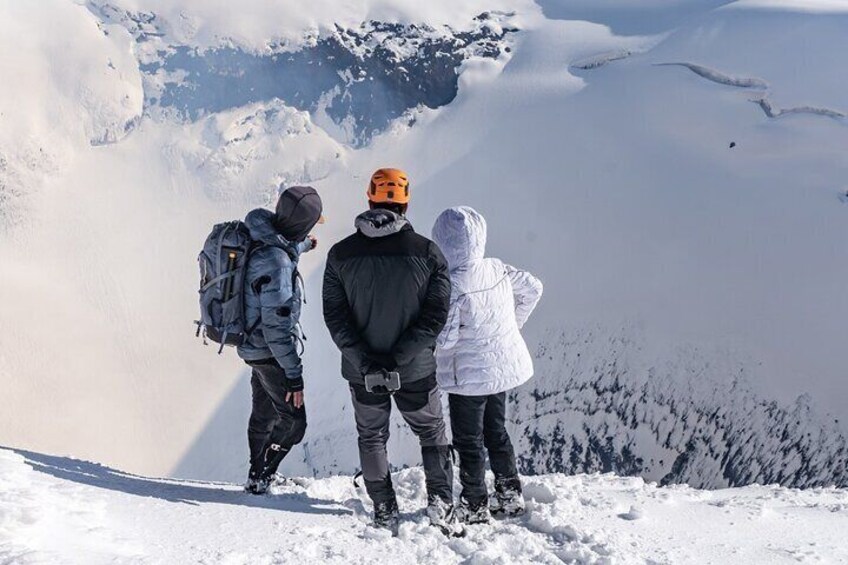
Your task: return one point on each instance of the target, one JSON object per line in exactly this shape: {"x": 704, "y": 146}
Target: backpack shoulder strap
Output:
{"x": 254, "y": 246}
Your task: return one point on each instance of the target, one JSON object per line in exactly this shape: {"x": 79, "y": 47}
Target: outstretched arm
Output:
{"x": 422, "y": 333}
{"x": 308, "y": 244}
{"x": 527, "y": 291}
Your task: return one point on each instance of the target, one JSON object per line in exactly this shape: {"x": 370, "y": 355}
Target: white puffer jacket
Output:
{"x": 481, "y": 350}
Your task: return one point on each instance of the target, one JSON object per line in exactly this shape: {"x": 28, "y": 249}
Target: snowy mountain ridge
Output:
{"x": 359, "y": 79}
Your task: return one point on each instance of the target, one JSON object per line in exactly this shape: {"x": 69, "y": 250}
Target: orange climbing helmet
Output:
{"x": 389, "y": 186}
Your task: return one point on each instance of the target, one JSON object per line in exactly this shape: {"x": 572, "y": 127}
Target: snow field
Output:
{"x": 633, "y": 210}
{"x": 58, "y": 510}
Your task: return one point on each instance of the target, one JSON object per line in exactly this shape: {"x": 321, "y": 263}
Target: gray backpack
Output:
{"x": 223, "y": 267}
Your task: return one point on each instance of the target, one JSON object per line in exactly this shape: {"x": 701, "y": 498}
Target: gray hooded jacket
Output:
{"x": 272, "y": 296}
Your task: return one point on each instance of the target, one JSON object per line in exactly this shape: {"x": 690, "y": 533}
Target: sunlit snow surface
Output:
{"x": 58, "y": 510}
{"x": 692, "y": 247}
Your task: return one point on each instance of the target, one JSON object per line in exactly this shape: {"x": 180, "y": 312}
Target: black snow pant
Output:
{"x": 275, "y": 425}
{"x": 420, "y": 405}
{"x": 478, "y": 426}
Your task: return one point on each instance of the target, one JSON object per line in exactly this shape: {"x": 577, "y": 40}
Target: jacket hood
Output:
{"x": 380, "y": 223}
{"x": 299, "y": 208}
{"x": 262, "y": 228}
{"x": 461, "y": 235}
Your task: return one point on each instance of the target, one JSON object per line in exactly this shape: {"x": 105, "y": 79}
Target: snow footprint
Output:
{"x": 564, "y": 540}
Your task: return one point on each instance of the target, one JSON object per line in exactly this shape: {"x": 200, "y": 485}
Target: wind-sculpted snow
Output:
{"x": 773, "y": 112}
{"x": 597, "y": 405}
{"x": 719, "y": 77}
{"x": 361, "y": 79}
{"x": 597, "y": 61}
{"x": 755, "y": 83}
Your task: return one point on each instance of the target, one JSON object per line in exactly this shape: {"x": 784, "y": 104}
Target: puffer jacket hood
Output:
{"x": 380, "y": 223}
{"x": 461, "y": 234}
{"x": 260, "y": 222}
{"x": 480, "y": 350}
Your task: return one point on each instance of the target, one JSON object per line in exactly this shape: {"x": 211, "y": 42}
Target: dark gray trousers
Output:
{"x": 275, "y": 425}
{"x": 421, "y": 407}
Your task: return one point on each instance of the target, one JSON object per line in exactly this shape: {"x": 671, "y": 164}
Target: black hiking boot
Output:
{"x": 473, "y": 513}
{"x": 444, "y": 517}
{"x": 263, "y": 471}
{"x": 386, "y": 516}
{"x": 256, "y": 485}
{"x": 508, "y": 500}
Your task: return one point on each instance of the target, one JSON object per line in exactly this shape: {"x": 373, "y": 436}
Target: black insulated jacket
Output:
{"x": 386, "y": 296}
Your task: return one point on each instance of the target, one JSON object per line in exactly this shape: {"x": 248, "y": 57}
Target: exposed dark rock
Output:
{"x": 362, "y": 78}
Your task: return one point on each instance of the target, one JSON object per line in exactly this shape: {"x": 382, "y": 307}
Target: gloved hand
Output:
{"x": 380, "y": 361}
{"x": 294, "y": 391}
{"x": 293, "y": 385}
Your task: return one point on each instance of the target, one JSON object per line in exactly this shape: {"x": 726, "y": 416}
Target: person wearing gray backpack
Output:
{"x": 251, "y": 298}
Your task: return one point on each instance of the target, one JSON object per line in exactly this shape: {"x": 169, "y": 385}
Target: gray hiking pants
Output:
{"x": 421, "y": 407}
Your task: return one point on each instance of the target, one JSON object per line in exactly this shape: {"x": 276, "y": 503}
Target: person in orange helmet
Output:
{"x": 386, "y": 299}
{"x": 389, "y": 189}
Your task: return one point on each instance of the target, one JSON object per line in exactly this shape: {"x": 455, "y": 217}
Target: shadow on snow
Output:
{"x": 187, "y": 492}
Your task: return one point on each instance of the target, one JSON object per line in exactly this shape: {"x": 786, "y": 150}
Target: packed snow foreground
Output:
{"x": 60, "y": 510}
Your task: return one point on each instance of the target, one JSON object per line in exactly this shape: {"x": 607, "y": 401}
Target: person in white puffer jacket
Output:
{"x": 480, "y": 355}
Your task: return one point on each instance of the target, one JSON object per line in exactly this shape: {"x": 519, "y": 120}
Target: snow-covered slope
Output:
{"x": 93, "y": 319}
{"x": 683, "y": 415}
{"x": 58, "y": 510}
{"x": 695, "y": 291}
{"x": 60, "y": 94}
